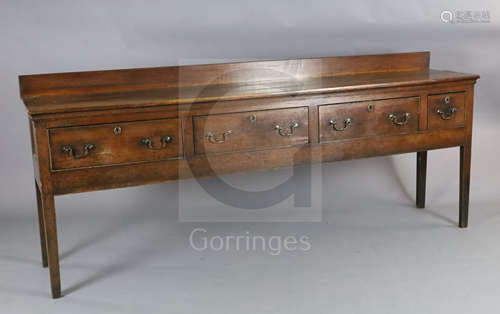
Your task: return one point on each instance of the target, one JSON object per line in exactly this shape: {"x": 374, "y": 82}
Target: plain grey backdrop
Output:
{"x": 125, "y": 251}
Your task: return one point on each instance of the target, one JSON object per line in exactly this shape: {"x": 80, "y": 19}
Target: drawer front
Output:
{"x": 250, "y": 130}
{"x": 368, "y": 118}
{"x": 106, "y": 144}
{"x": 446, "y": 110}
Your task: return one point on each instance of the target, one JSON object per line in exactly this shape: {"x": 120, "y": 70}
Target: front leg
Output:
{"x": 465, "y": 160}
{"x": 41, "y": 224}
{"x": 421, "y": 178}
{"x": 49, "y": 214}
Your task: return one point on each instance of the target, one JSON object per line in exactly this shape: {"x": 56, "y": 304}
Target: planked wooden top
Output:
{"x": 85, "y": 91}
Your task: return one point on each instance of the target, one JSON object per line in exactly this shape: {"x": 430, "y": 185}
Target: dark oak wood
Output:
{"x": 217, "y": 74}
{"x": 368, "y": 118}
{"x": 450, "y": 114}
{"x": 49, "y": 217}
{"x": 250, "y": 130}
{"x": 74, "y": 102}
{"x": 115, "y": 143}
{"x": 421, "y": 178}
{"x": 41, "y": 225}
{"x": 109, "y": 129}
{"x": 98, "y": 178}
{"x": 465, "y": 161}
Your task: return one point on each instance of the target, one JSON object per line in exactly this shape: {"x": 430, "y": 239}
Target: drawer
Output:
{"x": 446, "y": 110}
{"x": 250, "y": 130}
{"x": 106, "y": 144}
{"x": 368, "y": 118}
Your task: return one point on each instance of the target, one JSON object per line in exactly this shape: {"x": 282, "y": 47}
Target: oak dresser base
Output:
{"x": 110, "y": 129}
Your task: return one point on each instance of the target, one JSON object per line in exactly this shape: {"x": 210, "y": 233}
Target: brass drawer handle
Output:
{"x": 447, "y": 114}
{"x": 149, "y": 143}
{"x": 347, "y": 123}
{"x": 402, "y": 121}
{"x": 214, "y": 140}
{"x": 292, "y": 125}
{"x": 71, "y": 152}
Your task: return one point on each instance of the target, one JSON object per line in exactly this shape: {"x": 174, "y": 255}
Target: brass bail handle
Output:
{"x": 405, "y": 117}
{"x": 346, "y": 124}
{"x": 287, "y": 131}
{"x": 214, "y": 139}
{"x": 71, "y": 151}
{"x": 165, "y": 140}
{"x": 447, "y": 113}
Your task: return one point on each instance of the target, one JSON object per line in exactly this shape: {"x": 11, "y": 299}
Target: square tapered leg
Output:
{"x": 41, "y": 225}
{"x": 49, "y": 214}
{"x": 465, "y": 161}
{"x": 421, "y": 178}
